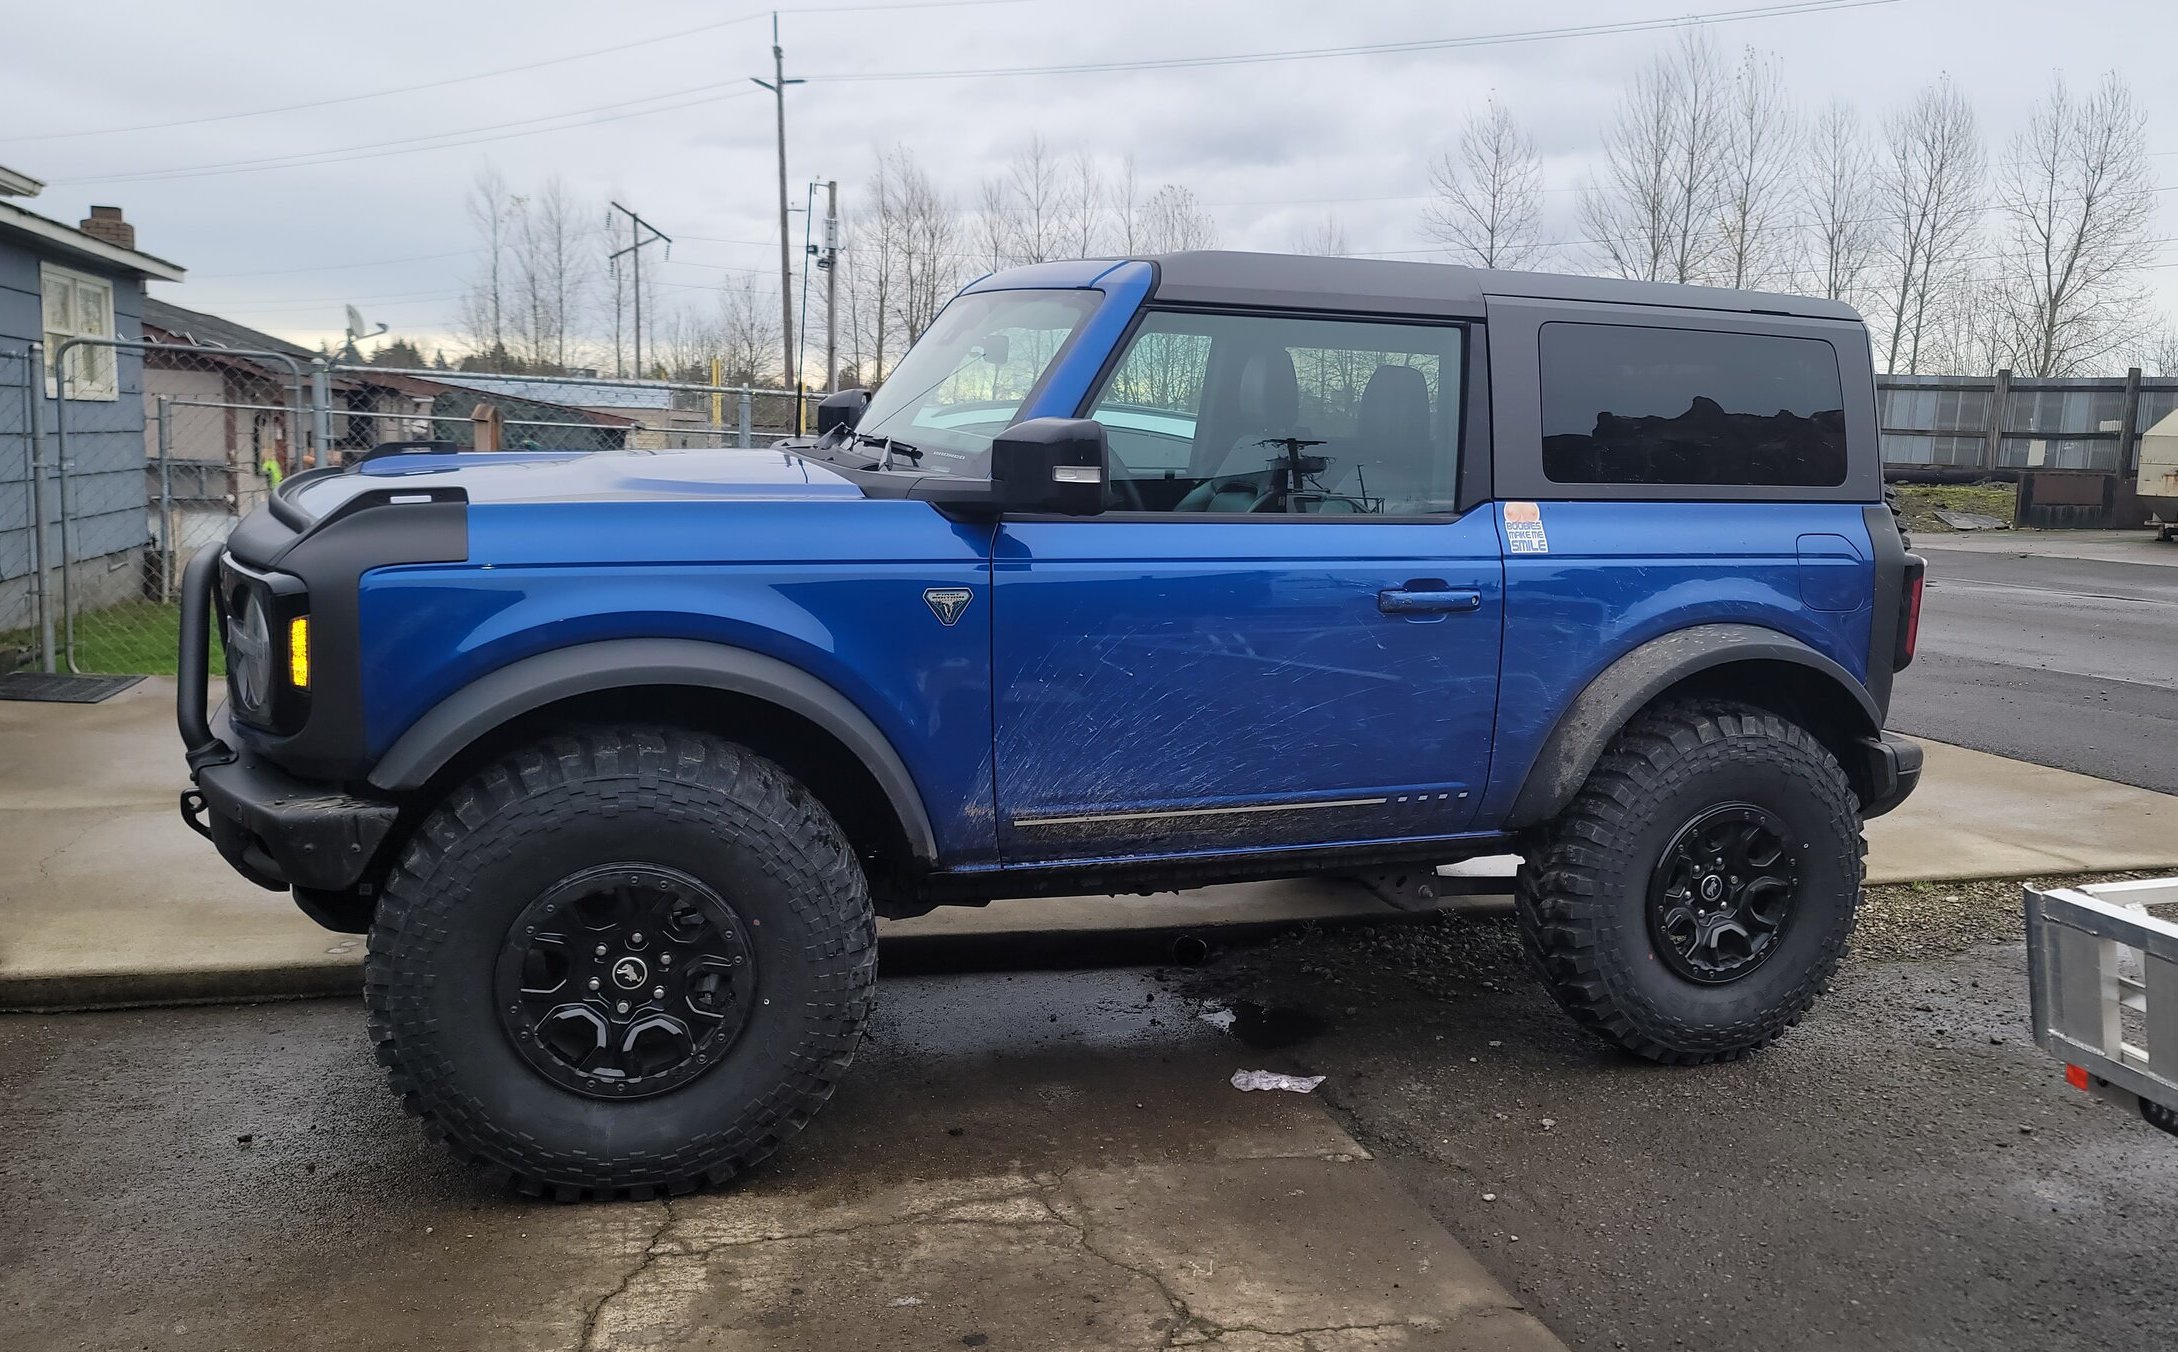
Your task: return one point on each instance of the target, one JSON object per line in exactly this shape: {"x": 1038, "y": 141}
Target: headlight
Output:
{"x": 249, "y": 653}
{"x": 265, "y": 627}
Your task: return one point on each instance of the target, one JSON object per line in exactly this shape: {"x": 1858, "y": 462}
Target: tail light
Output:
{"x": 1909, "y": 612}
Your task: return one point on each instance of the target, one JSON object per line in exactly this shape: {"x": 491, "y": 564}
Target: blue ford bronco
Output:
{"x": 1134, "y": 575}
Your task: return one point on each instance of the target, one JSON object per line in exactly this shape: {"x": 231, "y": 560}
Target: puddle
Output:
{"x": 1271, "y": 1028}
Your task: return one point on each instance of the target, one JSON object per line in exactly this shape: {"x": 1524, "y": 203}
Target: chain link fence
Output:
{"x": 134, "y": 455}
{"x": 375, "y": 404}
{"x": 27, "y": 518}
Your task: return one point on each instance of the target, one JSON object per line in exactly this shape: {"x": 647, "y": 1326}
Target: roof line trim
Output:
{"x": 88, "y": 246}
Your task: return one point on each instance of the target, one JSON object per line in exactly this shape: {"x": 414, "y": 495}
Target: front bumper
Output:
{"x": 1891, "y": 768}
{"x": 279, "y": 831}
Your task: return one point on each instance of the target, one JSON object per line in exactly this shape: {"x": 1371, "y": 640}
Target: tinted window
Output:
{"x": 1628, "y": 405}
{"x": 1246, "y": 413}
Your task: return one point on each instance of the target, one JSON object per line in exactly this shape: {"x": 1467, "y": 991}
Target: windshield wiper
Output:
{"x": 889, "y": 446}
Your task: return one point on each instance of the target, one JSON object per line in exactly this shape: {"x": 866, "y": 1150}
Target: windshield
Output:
{"x": 964, "y": 380}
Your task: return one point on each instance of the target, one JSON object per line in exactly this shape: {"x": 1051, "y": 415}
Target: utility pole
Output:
{"x": 829, "y": 261}
{"x": 778, "y": 86}
{"x": 636, "y": 240}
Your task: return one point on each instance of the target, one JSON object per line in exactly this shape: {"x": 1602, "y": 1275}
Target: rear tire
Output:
{"x": 1696, "y": 896}
{"x": 522, "y": 986}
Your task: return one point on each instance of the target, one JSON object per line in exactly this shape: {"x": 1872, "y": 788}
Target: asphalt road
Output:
{"x": 1903, "y": 1171}
{"x": 2071, "y": 663}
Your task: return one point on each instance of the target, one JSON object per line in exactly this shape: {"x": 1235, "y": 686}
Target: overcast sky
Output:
{"x": 163, "y": 108}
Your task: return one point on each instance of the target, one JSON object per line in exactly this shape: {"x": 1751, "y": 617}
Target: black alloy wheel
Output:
{"x": 625, "y": 979}
{"x": 1722, "y": 893}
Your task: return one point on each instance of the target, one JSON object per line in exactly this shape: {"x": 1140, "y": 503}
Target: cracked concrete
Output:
{"x": 1027, "y": 1161}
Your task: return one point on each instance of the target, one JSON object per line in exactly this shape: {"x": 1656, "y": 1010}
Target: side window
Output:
{"x": 1253, "y": 414}
{"x": 1624, "y": 404}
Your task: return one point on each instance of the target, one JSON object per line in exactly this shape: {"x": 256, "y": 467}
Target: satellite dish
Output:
{"x": 357, "y": 331}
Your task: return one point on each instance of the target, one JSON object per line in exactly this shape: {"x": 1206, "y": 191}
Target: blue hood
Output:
{"x": 598, "y": 476}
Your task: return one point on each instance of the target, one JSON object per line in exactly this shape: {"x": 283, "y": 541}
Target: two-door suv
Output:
{"x": 1134, "y": 575}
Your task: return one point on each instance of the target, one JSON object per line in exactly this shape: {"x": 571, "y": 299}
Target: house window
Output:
{"x": 77, "y": 306}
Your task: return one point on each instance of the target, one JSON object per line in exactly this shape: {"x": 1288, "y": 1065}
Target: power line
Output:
{"x": 331, "y": 267}
{"x": 340, "y": 154}
{"x": 1774, "y": 11}
{"x": 586, "y": 55}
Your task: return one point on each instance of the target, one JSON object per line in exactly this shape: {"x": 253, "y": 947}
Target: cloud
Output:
{"x": 1264, "y": 143}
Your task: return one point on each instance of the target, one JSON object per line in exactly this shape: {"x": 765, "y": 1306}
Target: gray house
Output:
{"x": 57, "y": 282}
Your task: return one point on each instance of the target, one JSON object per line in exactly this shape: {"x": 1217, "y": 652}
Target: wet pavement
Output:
{"x": 1018, "y": 1160}
{"x": 1055, "y": 1159}
{"x": 1905, "y": 1170}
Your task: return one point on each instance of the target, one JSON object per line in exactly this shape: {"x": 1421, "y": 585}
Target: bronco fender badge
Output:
{"x": 947, "y": 603}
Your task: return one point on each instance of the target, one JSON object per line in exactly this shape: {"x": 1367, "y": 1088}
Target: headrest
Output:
{"x": 1395, "y": 406}
{"x": 1270, "y": 396}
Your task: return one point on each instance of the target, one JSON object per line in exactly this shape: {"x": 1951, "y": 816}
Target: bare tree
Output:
{"x": 2078, "y": 207}
{"x": 929, "y": 233}
{"x": 1931, "y": 189}
{"x": 1172, "y": 220}
{"x": 1325, "y": 236}
{"x": 903, "y": 262}
{"x": 1023, "y": 217}
{"x": 1755, "y": 234}
{"x": 1081, "y": 206}
{"x": 492, "y": 211}
{"x": 748, "y": 335}
{"x": 876, "y": 264}
{"x": 1126, "y": 205}
{"x": 1653, "y": 214}
{"x": 554, "y": 270}
{"x": 2159, "y": 352}
{"x": 1488, "y": 208}
{"x": 1839, "y": 202}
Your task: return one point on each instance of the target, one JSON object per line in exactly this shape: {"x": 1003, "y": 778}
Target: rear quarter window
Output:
{"x": 1631, "y": 404}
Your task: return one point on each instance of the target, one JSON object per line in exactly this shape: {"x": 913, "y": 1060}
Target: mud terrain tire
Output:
{"x": 1595, "y": 890}
{"x": 788, "y": 944}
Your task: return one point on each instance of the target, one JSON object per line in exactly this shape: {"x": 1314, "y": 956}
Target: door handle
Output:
{"x": 1397, "y": 601}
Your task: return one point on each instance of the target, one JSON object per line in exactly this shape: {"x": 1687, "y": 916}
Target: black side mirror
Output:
{"x": 1051, "y": 465}
{"x": 841, "y": 411}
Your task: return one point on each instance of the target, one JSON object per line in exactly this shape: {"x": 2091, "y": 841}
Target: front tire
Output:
{"x": 621, "y": 962}
{"x": 1696, "y": 896}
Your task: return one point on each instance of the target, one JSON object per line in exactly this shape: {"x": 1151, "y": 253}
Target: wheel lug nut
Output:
{"x": 665, "y": 959}
{"x": 593, "y": 983}
{"x": 622, "y": 1007}
{"x": 657, "y": 993}
{"x": 601, "y": 950}
{"x": 636, "y": 937}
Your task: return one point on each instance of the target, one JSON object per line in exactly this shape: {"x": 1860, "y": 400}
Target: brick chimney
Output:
{"x": 105, "y": 223}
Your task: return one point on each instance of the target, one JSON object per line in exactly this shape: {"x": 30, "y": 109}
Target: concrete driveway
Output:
{"x": 1019, "y": 1161}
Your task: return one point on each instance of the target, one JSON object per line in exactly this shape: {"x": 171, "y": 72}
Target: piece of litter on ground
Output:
{"x": 1218, "y": 1017}
{"x": 1489, "y": 1197}
{"x": 902, "y": 1301}
{"x": 1549, "y": 1122}
{"x": 1495, "y": 1043}
{"x": 1271, "y": 1079}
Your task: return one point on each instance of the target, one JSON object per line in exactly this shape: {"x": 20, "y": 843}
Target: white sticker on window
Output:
{"x": 1524, "y": 529}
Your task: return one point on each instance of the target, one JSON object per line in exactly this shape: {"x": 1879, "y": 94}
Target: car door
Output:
{"x": 1285, "y": 633}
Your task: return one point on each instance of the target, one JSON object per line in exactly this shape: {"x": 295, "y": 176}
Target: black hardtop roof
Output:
{"x": 1317, "y": 282}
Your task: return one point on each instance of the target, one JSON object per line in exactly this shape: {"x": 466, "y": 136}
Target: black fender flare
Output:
{"x": 491, "y": 701}
{"x": 1593, "y": 718}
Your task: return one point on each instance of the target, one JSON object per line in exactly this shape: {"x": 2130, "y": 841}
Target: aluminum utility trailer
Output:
{"x": 2102, "y": 978}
